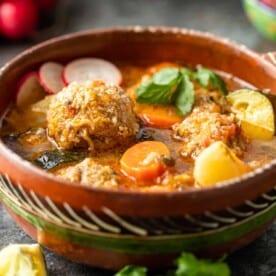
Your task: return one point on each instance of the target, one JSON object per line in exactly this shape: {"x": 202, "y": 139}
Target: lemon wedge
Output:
{"x": 218, "y": 163}
{"x": 22, "y": 260}
{"x": 255, "y": 112}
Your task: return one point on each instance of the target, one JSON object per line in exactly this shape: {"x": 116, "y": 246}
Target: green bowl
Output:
{"x": 262, "y": 17}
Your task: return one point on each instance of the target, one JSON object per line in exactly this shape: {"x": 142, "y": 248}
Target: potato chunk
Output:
{"x": 217, "y": 163}
{"x": 255, "y": 112}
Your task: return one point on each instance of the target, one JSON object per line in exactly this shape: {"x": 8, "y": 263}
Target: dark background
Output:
{"x": 225, "y": 18}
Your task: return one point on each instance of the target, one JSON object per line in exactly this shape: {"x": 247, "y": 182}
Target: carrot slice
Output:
{"x": 159, "y": 66}
{"x": 152, "y": 114}
{"x": 143, "y": 162}
{"x": 158, "y": 115}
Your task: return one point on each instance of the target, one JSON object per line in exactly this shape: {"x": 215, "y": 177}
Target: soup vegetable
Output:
{"x": 151, "y": 127}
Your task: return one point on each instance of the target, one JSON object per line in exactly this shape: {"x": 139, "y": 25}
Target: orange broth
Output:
{"x": 26, "y": 144}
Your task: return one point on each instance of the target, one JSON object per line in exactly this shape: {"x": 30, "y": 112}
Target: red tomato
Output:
{"x": 18, "y": 18}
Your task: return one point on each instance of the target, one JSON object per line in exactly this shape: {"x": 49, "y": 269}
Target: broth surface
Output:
{"x": 25, "y": 132}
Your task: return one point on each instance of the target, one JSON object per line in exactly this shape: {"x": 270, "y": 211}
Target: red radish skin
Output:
{"x": 270, "y": 3}
{"x": 89, "y": 69}
{"x": 29, "y": 90}
{"x": 18, "y": 18}
{"x": 50, "y": 77}
{"x": 46, "y": 5}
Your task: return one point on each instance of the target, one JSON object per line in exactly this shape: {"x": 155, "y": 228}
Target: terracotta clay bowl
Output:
{"x": 114, "y": 228}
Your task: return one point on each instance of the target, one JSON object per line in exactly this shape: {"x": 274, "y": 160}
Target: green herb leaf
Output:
{"x": 151, "y": 93}
{"x": 132, "y": 270}
{"x": 187, "y": 72}
{"x": 189, "y": 265}
{"x": 160, "y": 88}
{"x": 206, "y": 77}
{"x": 184, "y": 96}
{"x": 174, "y": 86}
{"x": 166, "y": 76}
{"x": 51, "y": 159}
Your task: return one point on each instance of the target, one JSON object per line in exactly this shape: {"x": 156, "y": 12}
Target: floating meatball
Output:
{"x": 90, "y": 173}
{"x": 201, "y": 129}
{"x": 94, "y": 116}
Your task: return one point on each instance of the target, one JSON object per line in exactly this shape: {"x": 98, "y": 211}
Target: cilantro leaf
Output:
{"x": 159, "y": 89}
{"x": 184, "y": 96}
{"x": 189, "y": 265}
{"x": 166, "y": 76}
{"x": 206, "y": 77}
{"x": 132, "y": 270}
{"x": 174, "y": 86}
{"x": 187, "y": 72}
{"x": 151, "y": 93}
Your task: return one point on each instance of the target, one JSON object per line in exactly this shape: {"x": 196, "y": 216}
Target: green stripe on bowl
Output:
{"x": 149, "y": 244}
{"x": 262, "y": 17}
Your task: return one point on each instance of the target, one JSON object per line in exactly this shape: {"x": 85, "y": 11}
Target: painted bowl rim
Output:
{"x": 262, "y": 7}
{"x": 227, "y": 185}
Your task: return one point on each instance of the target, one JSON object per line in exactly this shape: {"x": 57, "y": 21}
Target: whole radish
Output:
{"x": 18, "y": 18}
{"x": 46, "y": 5}
{"x": 271, "y": 3}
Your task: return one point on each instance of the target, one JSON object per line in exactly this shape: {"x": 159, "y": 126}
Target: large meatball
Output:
{"x": 200, "y": 129}
{"x": 91, "y": 115}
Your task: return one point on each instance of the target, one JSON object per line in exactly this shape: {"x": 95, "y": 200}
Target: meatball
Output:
{"x": 210, "y": 101}
{"x": 90, "y": 173}
{"x": 93, "y": 115}
{"x": 200, "y": 129}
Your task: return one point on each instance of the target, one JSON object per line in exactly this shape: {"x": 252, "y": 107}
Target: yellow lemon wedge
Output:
{"x": 22, "y": 260}
{"x": 217, "y": 163}
{"x": 255, "y": 112}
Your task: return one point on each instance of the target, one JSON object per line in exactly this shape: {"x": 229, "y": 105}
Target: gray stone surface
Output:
{"x": 225, "y": 18}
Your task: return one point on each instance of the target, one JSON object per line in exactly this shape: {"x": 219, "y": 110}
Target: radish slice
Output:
{"x": 50, "y": 77}
{"x": 29, "y": 90}
{"x": 89, "y": 69}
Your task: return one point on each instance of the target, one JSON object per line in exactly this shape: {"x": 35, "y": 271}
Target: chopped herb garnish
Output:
{"x": 187, "y": 265}
{"x": 188, "y": 72}
{"x": 185, "y": 96}
{"x": 132, "y": 270}
{"x": 206, "y": 77}
{"x": 51, "y": 159}
{"x": 159, "y": 89}
{"x": 173, "y": 86}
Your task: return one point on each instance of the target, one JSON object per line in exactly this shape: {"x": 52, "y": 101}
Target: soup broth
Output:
{"x": 26, "y": 131}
